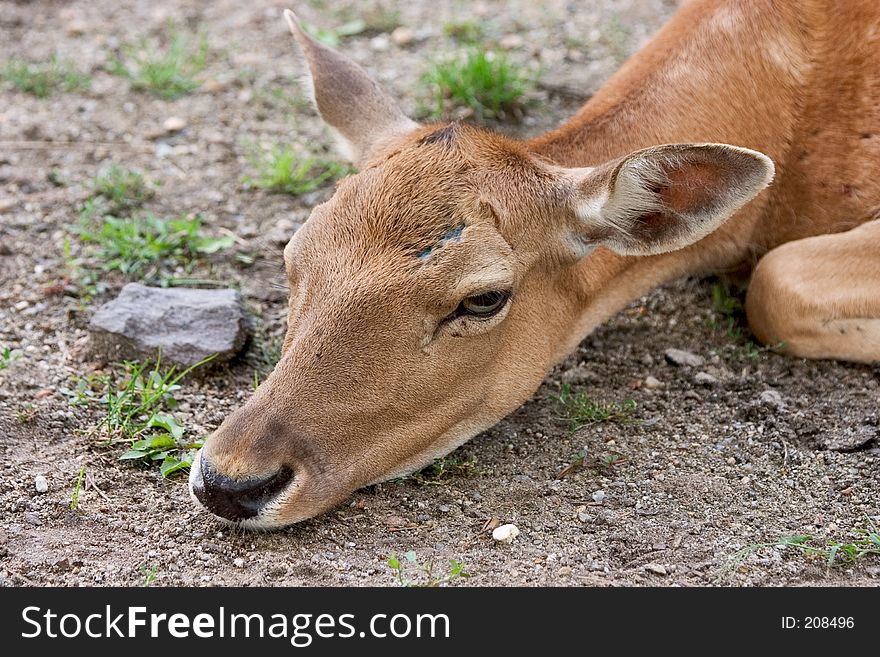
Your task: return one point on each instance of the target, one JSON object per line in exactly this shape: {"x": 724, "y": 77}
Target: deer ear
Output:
{"x": 663, "y": 198}
{"x": 349, "y": 101}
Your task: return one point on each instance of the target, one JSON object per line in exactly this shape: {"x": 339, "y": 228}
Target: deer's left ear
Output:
{"x": 662, "y": 198}
{"x": 361, "y": 113}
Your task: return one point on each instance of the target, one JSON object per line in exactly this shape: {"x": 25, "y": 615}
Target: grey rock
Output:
{"x": 188, "y": 325}
{"x": 579, "y": 374}
{"x": 41, "y": 484}
{"x": 705, "y": 379}
{"x": 652, "y": 383}
{"x": 683, "y": 358}
{"x": 772, "y": 399}
{"x": 849, "y": 439}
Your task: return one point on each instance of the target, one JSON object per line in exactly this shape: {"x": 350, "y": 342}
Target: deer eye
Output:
{"x": 485, "y": 304}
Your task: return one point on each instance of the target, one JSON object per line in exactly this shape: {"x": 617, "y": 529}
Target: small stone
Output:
{"x": 76, "y": 28}
{"x": 41, "y": 484}
{"x": 380, "y": 43}
{"x": 174, "y": 124}
{"x": 402, "y": 36}
{"x": 705, "y": 379}
{"x": 505, "y": 533}
{"x": 238, "y": 562}
{"x": 599, "y": 496}
{"x": 772, "y": 399}
{"x": 33, "y": 518}
{"x": 564, "y": 571}
{"x": 188, "y": 325}
{"x": 683, "y": 358}
{"x": 578, "y": 375}
{"x": 213, "y": 85}
{"x": 444, "y": 508}
{"x": 656, "y": 568}
{"x": 511, "y": 41}
{"x": 652, "y": 383}
{"x": 584, "y": 517}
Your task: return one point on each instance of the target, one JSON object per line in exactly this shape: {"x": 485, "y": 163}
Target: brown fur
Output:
{"x": 373, "y": 382}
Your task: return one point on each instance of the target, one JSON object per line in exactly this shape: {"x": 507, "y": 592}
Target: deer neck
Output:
{"x": 720, "y": 71}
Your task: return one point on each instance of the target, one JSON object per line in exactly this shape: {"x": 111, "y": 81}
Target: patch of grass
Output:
{"x": 605, "y": 463}
{"x": 87, "y": 389}
{"x": 122, "y": 189}
{"x": 426, "y": 575}
{"x": 865, "y": 541}
{"x": 26, "y": 414}
{"x": 138, "y": 405}
{"x": 8, "y": 357}
{"x": 168, "y": 68}
{"x": 487, "y": 83}
{"x": 42, "y": 79}
{"x": 74, "y": 498}
{"x": 616, "y": 37}
{"x": 277, "y": 98}
{"x": 85, "y": 281}
{"x": 56, "y": 178}
{"x": 333, "y": 36}
{"x": 466, "y": 31}
{"x": 442, "y": 469}
{"x": 132, "y": 244}
{"x": 265, "y": 352}
{"x": 283, "y": 169}
{"x": 581, "y": 411}
{"x": 149, "y": 574}
{"x": 380, "y": 17}
{"x": 731, "y": 318}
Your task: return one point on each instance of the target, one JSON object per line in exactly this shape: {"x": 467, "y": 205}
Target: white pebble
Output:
{"x": 41, "y": 484}
{"x": 402, "y": 36}
{"x": 657, "y": 569}
{"x": 652, "y": 384}
{"x": 599, "y": 496}
{"x": 174, "y": 124}
{"x": 505, "y": 533}
{"x": 238, "y": 562}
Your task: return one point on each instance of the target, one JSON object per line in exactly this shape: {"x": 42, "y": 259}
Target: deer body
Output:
{"x": 813, "y": 73}
{"x": 431, "y": 295}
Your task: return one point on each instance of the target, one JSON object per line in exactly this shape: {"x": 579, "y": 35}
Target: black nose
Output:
{"x": 236, "y": 499}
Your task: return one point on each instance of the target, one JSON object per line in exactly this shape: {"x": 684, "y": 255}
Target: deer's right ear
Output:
{"x": 350, "y": 101}
{"x": 660, "y": 199}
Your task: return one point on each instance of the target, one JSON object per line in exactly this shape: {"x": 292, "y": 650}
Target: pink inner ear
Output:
{"x": 691, "y": 186}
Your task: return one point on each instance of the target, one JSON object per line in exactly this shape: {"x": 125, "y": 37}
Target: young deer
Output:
{"x": 432, "y": 293}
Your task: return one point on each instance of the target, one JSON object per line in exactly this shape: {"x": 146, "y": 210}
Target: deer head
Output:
{"x": 430, "y": 295}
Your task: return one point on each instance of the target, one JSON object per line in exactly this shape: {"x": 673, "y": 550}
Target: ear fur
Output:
{"x": 364, "y": 117}
{"x": 663, "y": 198}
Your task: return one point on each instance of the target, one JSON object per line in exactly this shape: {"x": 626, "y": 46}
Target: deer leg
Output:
{"x": 820, "y": 296}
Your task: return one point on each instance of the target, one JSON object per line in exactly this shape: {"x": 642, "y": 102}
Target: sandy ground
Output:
{"x": 703, "y": 472}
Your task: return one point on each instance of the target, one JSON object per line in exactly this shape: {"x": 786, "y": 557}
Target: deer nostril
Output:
{"x": 237, "y": 499}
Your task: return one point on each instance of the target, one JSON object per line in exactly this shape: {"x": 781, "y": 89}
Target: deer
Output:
{"x": 432, "y": 293}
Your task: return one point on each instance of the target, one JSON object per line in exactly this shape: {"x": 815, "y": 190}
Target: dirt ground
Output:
{"x": 706, "y": 470}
